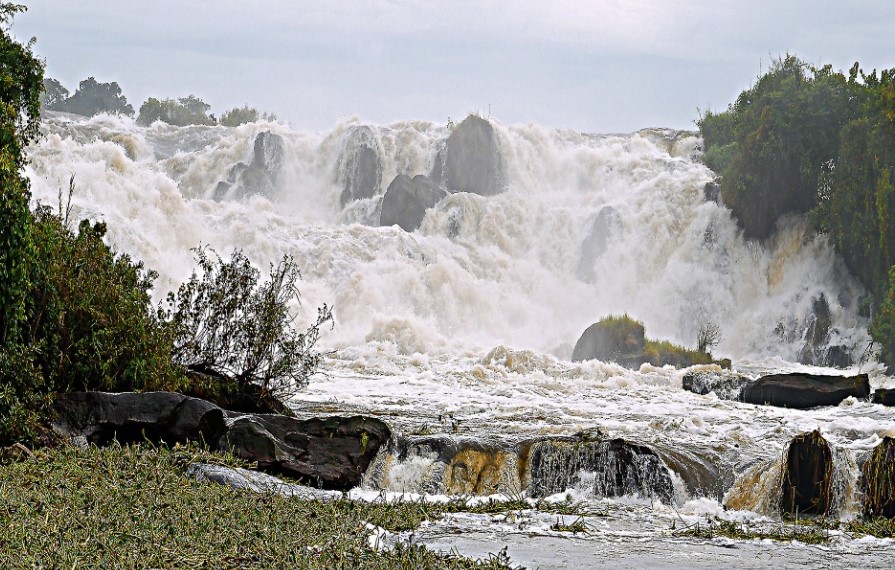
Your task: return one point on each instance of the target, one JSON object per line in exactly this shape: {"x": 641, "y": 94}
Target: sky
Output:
{"x": 598, "y": 66}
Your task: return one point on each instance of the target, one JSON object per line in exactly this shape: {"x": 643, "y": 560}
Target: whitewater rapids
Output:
{"x": 467, "y": 324}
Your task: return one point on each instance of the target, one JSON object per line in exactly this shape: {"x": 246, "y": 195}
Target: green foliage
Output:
{"x": 134, "y": 507}
{"x": 239, "y": 116}
{"x": 23, "y": 396}
{"x": 91, "y": 315}
{"x": 883, "y": 325}
{"x": 54, "y": 93}
{"x": 92, "y": 98}
{"x": 21, "y": 83}
{"x": 812, "y": 140}
{"x": 226, "y": 325}
{"x": 181, "y": 112}
{"x": 771, "y": 143}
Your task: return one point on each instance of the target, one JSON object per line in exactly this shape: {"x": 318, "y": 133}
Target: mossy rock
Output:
{"x": 879, "y": 480}
{"x": 808, "y": 476}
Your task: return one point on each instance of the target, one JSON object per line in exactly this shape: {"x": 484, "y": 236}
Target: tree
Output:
{"x": 240, "y": 116}
{"x": 185, "y": 111}
{"x": 54, "y": 94}
{"x": 92, "y": 98}
{"x": 21, "y": 84}
{"x": 883, "y": 326}
{"x": 226, "y": 325}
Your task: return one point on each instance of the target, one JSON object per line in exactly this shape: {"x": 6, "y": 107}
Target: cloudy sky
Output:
{"x": 598, "y": 66}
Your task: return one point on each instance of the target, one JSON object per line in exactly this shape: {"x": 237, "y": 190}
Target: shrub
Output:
{"x": 91, "y": 98}
{"x": 228, "y": 327}
{"x": 239, "y": 116}
{"x": 883, "y": 326}
{"x": 91, "y": 314}
{"x": 24, "y": 397}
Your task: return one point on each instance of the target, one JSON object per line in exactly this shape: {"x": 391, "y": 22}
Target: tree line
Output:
{"x": 811, "y": 140}
{"x": 93, "y": 97}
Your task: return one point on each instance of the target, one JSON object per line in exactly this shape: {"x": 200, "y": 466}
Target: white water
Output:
{"x": 470, "y": 331}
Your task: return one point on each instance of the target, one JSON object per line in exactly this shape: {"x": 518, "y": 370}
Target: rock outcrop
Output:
{"x": 258, "y": 177}
{"x": 801, "y": 391}
{"x": 330, "y": 453}
{"x": 407, "y": 199}
{"x": 808, "y": 476}
{"x": 879, "y": 480}
{"x": 470, "y": 159}
{"x": 619, "y": 340}
{"x": 619, "y": 468}
{"x": 884, "y": 396}
{"x": 725, "y": 385}
{"x": 360, "y": 168}
{"x": 817, "y": 349}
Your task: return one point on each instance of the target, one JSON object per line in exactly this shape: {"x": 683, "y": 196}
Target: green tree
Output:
{"x": 245, "y": 114}
{"x": 185, "y": 111}
{"x": 883, "y": 326}
{"x": 92, "y": 98}
{"x": 54, "y": 94}
{"x": 21, "y": 83}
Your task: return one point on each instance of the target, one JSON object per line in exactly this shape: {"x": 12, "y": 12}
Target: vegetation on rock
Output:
{"x": 811, "y": 140}
{"x": 179, "y": 112}
{"x": 91, "y": 98}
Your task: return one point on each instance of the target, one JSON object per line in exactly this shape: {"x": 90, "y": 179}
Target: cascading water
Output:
{"x": 465, "y": 326}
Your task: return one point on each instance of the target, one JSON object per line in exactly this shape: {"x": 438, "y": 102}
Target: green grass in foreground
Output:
{"x": 133, "y": 507}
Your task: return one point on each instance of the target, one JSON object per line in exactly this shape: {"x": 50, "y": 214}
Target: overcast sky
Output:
{"x": 600, "y": 66}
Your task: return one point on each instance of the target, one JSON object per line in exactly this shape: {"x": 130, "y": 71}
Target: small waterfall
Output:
{"x": 610, "y": 468}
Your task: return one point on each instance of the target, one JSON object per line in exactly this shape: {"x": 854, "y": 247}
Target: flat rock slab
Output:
{"x": 802, "y": 391}
{"x": 256, "y": 481}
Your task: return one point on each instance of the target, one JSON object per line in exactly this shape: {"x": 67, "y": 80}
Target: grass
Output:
{"x": 576, "y": 526}
{"x": 808, "y": 530}
{"x": 128, "y": 507}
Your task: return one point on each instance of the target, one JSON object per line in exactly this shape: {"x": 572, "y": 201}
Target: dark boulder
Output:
{"x": 619, "y": 468}
{"x": 470, "y": 159}
{"x": 712, "y": 191}
{"x": 330, "y": 453}
{"x": 407, "y": 199}
{"x": 884, "y": 396}
{"x": 606, "y": 225}
{"x": 879, "y": 480}
{"x": 360, "y": 168}
{"x": 620, "y": 340}
{"x": 808, "y": 476}
{"x": 258, "y": 177}
{"x": 132, "y": 418}
{"x": 797, "y": 390}
{"x": 817, "y": 349}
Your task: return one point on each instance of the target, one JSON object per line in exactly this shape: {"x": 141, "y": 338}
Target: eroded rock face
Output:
{"x": 726, "y": 385}
{"x": 470, "y": 160}
{"x": 360, "y": 168}
{"x": 803, "y": 391}
{"x": 258, "y": 177}
{"x": 407, "y": 199}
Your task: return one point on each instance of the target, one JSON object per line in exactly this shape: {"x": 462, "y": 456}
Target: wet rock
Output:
{"x": 258, "y": 177}
{"x": 884, "y": 396}
{"x": 407, "y": 199}
{"x": 801, "y": 391}
{"x": 725, "y": 385}
{"x": 133, "y": 418}
{"x": 329, "y": 453}
{"x": 879, "y": 480}
{"x": 620, "y": 340}
{"x": 712, "y": 191}
{"x": 245, "y": 479}
{"x": 618, "y": 468}
{"x": 360, "y": 168}
{"x": 607, "y": 224}
{"x": 808, "y": 476}
{"x": 14, "y": 453}
{"x": 470, "y": 159}
{"x": 817, "y": 350}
